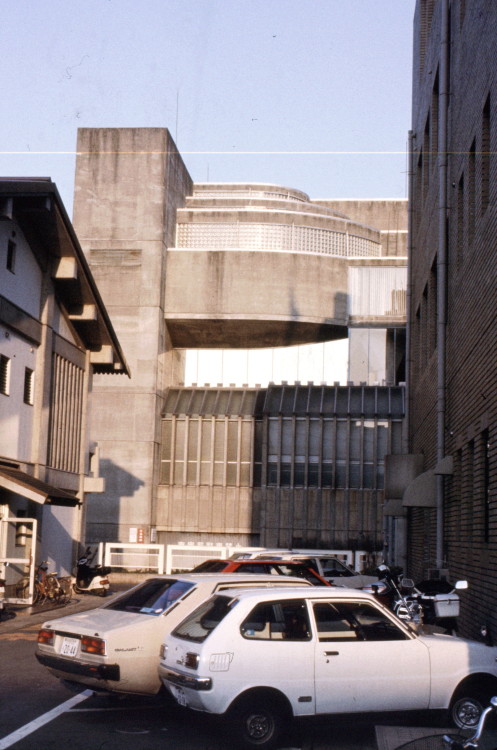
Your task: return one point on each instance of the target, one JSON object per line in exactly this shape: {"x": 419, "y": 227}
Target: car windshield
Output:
{"x": 154, "y": 597}
{"x": 202, "y": 621}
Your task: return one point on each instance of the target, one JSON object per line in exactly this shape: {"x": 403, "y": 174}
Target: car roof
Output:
{"x": 236, "y": 578}
{"x": 296, "y": 593}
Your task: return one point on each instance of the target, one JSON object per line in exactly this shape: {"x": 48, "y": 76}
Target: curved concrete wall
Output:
{"x": 284, "y": 298}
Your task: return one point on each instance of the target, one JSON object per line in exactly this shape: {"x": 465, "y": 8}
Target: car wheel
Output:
{"x": 258, "y": 723}
{"x": 467, "y": 707}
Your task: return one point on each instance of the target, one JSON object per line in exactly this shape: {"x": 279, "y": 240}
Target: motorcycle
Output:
{"x": 440, "y": 602}
{"x": 431, "y": 602}
{"x": 88, "y": 579}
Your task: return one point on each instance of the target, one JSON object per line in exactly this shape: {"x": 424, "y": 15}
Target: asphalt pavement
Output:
{"x": 387, "y": 734}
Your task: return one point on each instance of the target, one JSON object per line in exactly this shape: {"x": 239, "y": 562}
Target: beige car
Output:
{"x": 116, "y": 647}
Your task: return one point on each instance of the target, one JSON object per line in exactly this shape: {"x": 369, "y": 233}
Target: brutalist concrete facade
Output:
{"x": 453, "y": 341}
{"x": 214, "y": 265}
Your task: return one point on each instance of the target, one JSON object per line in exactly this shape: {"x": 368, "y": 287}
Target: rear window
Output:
{"x": 211, "y": 566}
{"x": 203, "y": 620}
{"x": 154, "y": 597}
{"x": 301, "y": 571}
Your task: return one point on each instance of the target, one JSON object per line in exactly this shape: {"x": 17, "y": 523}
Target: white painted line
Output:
{"x": 19, "y": 734}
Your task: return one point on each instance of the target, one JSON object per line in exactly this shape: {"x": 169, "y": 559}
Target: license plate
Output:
{"x": 180, "y": 697}
{"x": 69, "y": 647}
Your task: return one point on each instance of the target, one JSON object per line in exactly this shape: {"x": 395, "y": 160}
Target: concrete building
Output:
{"x": 453, "y": 336}
{"x": 212, "y": 267}
{"x": 54, "y": 334}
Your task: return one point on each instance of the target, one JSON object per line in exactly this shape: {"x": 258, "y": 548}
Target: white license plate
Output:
{"x": 69, "y": 647}
{"x": 180, "y": 697}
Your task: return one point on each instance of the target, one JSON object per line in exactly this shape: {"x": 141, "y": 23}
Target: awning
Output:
{"x": 17, "y": 481}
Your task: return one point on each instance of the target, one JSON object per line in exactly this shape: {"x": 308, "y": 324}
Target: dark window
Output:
{"x": 11, "y": 256}
{"x": 280, "y": 621}
{"x": 4, "y": 374}
{"x": 153, "y": 597}
{"x": 485, "y": 154}
{"x": 28, "y": 386}
{"x": 204, "y": 619}
{"x": 486, "y": 485}
{"x": 354, "y": 621}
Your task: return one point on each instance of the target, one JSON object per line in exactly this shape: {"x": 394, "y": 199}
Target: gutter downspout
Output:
{"x": 410, "y": 209}
{"x": 442, "y": 272}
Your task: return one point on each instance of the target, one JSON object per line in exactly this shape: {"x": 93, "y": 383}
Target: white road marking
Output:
{"x": 19, "y": 734}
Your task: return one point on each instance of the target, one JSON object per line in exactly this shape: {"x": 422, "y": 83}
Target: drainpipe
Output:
{"x": 410, "y": 197}
{"x": 442, "y": 270}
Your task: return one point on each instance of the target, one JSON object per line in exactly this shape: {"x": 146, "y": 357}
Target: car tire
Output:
{"x": 467, "y": 707}
{"x": 257, "y": 722}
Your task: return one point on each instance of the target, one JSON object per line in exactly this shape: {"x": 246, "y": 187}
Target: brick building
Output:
{"x": 451, "y": 505}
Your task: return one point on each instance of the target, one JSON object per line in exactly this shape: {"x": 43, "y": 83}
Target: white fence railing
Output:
{"x": 168, "y": 558}
{"x": 135, "y": 556}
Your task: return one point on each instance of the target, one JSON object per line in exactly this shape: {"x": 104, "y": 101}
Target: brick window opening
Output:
{"x": 28, "y": 386}
{"x": 11, "y": 256}
{"x": 4, "y": 375}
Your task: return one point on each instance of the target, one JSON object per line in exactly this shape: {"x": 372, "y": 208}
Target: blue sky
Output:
{"x": 311, "y": 94}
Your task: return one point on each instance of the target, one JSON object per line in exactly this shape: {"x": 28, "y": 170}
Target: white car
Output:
{"x": 262, "y": 657}
{"x": 329, "y": 567}
{"x": 116, "y": 647}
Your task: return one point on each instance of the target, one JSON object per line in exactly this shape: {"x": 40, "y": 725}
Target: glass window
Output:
{"x": 286, "y": 475}
{"x": 278, "y": 621}
{"x": 327, "y": 474}
{"x": 358, "y": 621}
{"x": 313, "y": 475}
{"x": 154, "y": 597}
{"x": 299, "y": 475}
{"x": 204, "y": 619}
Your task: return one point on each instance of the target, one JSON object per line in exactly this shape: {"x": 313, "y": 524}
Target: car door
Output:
{"x": 364, "y": 661}
{"x": 278, "y": 650}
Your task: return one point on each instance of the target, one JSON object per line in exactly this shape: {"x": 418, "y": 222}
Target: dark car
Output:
{"x": 272, "y": 567}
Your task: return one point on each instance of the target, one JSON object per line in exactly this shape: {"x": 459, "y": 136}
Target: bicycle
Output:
{"x": 47, "y": 586}
{"x": 453, "y": 742}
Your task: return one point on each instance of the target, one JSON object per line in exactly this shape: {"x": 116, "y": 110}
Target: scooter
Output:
{"x": 88, "y": 579}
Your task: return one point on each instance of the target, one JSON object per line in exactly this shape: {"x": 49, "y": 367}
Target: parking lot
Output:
{"x": 38, "y": 711}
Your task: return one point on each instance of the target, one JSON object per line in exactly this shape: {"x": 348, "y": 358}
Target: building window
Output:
{"x": 11, "y": 256}
{"x": 486, "y": 485}
{"x": 471, "y": 192}
{"x": 4, "y": 375}
{"x": 485, "y": 155}
{"x": 460, "y": 221}
{"x": 28, "y": 386}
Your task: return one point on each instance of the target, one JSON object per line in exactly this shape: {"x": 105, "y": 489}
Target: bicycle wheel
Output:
{"x": 38, "y": 593}
{"x": 22, "y": 588}
{"x": 65, "y": 588}
{"x": 52, "y": 588}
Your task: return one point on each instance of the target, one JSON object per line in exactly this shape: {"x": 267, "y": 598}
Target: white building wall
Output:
{"x": 16, "y": 417}
{"x": 23, "y": 286}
